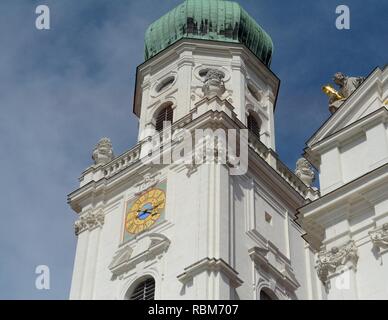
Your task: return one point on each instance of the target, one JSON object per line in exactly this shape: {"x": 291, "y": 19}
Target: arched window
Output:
{"x": 266, "y": 294}
{"x": 145, "y": 290}
{"x": 253, "y": 125}
{"x": 166, "y": 114}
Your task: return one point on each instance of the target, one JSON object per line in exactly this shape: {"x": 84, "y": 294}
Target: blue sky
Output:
{"x": 62, "y": 90}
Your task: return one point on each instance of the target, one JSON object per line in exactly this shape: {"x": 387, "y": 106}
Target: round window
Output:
{"x": 165, "y": 83}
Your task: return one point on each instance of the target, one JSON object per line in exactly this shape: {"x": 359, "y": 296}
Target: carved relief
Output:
{"x": 379, "y": 236}
{"x": 305, "y": 172}
{"x": 103, "y": 152}
{"x": 149, "y": 181}
{"x": 330, "y": 261}
{"x": 143, "y": 249}
{"x": 89, "y": 222}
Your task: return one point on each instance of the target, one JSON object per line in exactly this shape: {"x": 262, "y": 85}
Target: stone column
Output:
{"x": 88, "y": 229}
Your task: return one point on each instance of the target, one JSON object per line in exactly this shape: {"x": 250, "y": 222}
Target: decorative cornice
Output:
{"x": 128, "y": 256}
{"x": 286, "y": 276}
{"x": 379, "y": 236}
{"x": 114, "y": 173}
{"x": 316, "y": 215}
{"x": 330, "y": 261}
{"x": 89, "y": 221}
{"x": 212, "y": 265}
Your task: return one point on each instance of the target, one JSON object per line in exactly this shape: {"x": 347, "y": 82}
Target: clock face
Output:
{"x": 145, "y": 211}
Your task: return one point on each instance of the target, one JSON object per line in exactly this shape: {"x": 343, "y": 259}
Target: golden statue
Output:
{"x": 332, "y": 93}
{"x": 347, "y": 86}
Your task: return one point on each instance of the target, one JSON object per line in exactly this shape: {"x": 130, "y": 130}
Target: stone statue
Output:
{"x": 305, "y": 172}
{"x": 347, "y": 85}
{"x": 103, "y": 152}
{"x": 214, "y": 83}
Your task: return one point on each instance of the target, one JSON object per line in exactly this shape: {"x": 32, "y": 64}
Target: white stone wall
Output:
{"x": 208, "y": 215}
{"x": 357, "y": 155}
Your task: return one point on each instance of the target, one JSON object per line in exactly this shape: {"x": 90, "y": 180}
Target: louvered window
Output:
{"x": 253, "y": 125}
{"x": 165, "y": 115}
{"x": 266, "y": 294}
{"x": 144, "y": 291}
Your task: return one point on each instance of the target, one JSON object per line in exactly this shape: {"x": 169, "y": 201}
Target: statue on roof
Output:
{"x": 347, "y": 85}
{"x": 305, "y": 172}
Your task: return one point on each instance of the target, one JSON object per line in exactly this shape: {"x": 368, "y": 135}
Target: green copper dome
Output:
{"x": 217, "y": 20}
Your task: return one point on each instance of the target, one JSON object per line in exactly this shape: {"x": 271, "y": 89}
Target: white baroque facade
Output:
{"x": 347, "y": 225}
{"x": 267, "y": 233}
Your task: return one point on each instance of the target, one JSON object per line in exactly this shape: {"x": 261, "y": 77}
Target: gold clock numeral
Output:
{"x": 132, "y": 229}
{"x": 149, "y": 223}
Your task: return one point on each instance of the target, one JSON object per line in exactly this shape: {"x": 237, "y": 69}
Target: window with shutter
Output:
{"x": 266, "y": 294}
{"x": 164, "y": 115}
{"x": 253, "y": 125}
{"x": 144, "y": 290}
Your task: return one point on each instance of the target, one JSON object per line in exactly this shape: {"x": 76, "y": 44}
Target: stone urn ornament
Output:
{"x": 103, "y": 152}
{"x": 214, "y": 83}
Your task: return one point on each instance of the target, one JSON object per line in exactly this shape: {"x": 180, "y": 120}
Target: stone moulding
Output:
{"x": 148, "y": 181}
{"x": 89, "y": 221}
{"x": 128, "y": 256}
{"x": 379, "y": 236}
{"x": 212, "y": 265}
{"x": 284, "y": 275}
{"x": 329, "y": 262}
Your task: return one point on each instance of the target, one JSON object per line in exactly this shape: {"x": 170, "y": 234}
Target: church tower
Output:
{"x": 222, "y": 227}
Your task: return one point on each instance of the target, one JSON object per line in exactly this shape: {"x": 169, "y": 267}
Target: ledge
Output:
{"x": 286, "y": 276}
{"x": 128, "y": 256}
{"x": 212, "y": 265}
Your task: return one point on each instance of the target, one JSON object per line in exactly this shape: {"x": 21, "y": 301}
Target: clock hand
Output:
{"x": 141, "y": 212}
{"x": 158, "y": 205}
{"x": 153, "y": 207}
{"x": 149, "y": 211}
